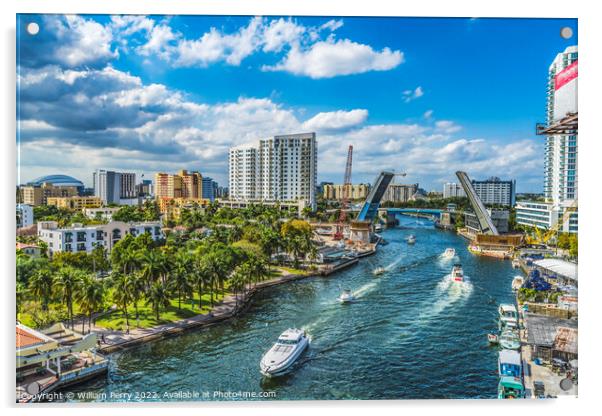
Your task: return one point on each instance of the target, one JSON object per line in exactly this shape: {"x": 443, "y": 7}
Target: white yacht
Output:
{"x": 411, "y": 239}
{"x": 508, "y": 316}
{"x": 457, "y": 273}
{"x": 449, "y": 253}
{"x": 284, "y": 352}
{"x": 346, "y": 296}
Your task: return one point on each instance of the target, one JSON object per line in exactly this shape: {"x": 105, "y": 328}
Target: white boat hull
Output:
{"x": 281, "y": 368}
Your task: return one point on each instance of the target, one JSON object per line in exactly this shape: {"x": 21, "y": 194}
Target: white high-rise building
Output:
{"x": 281, "y": 168}
{"x": 560, "y": 164}
{"x": 114, "y": 187}
{"x": 560, "y": 157}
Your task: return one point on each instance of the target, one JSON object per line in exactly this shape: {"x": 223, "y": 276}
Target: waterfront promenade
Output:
{"x": 112, "y": 340}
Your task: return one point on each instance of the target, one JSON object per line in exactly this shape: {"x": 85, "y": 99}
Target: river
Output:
{"x": 411, "y": 334}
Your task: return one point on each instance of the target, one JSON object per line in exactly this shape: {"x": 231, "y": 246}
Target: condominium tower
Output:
{"x": 280, "y": 168}
{"x": 114, "y": 187}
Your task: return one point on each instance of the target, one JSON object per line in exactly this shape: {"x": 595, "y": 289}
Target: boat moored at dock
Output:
{"x": 509, "y": 339}
{"x": 517, "y": 283}
{"x": 283, "y": 354}
{"x": 508, "y": 316}
{"x": 510, "y": 388}
{"x": 509, "y": 364}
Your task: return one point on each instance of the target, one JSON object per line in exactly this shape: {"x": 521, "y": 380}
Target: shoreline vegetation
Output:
{"x": 209, "y": 264}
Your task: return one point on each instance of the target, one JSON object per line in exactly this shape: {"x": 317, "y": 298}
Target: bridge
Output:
{"x": 370, "y": 208}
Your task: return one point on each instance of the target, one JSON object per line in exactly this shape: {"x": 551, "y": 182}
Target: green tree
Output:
{"x": 67, "y": 284}
{"x": 179, "y": 281}
{"x": 41, "y": 285}
{"x": 158, "y": 297}
{"x": 91, "y": 296}
{"x": 122, "y": 293}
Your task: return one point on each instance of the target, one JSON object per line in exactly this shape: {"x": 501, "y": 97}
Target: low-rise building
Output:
{"x": 104, "y": 213}
{"x": 24, "y": 215}
{"x": 172, "y": 207}
{"x": 29, "y": 249}
{"x": 545, "y": 215}
{"x": 76, "y": 203}
{"x": 499, "y": 217}
{"x": 79, "y": 238}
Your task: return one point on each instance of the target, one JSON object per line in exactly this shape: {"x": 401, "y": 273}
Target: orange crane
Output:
{"x": 338, "y": 235}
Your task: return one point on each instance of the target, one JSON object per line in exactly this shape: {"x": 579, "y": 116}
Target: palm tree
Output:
{"x": 40, "y": 286}
{"x": 67, "y": 283}
{"x": 179, "y": 281}
{"x": 153, "y": 266}
{"x": 199, "y": 280}
{"x": 122, "y": 294}
{"x": 157, "y": 297}
{"x": 137, "y": 290}
{"x": 91, "y": 297}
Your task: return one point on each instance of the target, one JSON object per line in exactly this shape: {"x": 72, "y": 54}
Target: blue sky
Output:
{"x": 427, "y": 96}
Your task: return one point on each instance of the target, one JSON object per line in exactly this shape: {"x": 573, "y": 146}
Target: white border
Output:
{"x": 589, "y": 151}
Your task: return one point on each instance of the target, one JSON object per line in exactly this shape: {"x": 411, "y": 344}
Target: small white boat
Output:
{"x": 284, "y": 352}
{"x": 493, "y": 338}
{"x": 517, "y": 283}
{"x": 411, "y": 239}
{"x": 346, "y": 296}
{"x": 449, "y": 253}
{"x": 457, "y": 273}
{"x": 509, "y": 340}
{"x": 378, "y": 271}
{"x": 508, "y": 316}
{"x": 515, "y": 263}
{"x": 378, "y": 227}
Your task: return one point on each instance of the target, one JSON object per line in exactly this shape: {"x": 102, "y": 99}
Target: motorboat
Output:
{"x": 346, "y": 296}
{"x": 378, "y": 271}
{"x": 509, "y": 340}
{"x": 378, "y": 227}
{"x": 509, "y": 363}
{"x": 449, "y": 253}
{"x": 493, "y": 339}
{"x": 411, "y": 239}
{"x": 283, "y": 354}
{"x": 457, "y": 273}
{"x": 510, "y": 388}
{"x": 508, "y": 316}
{"x": 515, "y": 263}
{"x": 517, "y": 283}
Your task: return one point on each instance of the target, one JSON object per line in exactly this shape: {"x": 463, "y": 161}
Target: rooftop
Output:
{"x": 57, "y": 180}
{"x": 27, "y": 337}
{"x": 560, "y": 267}
{"x": 542, "y": 330}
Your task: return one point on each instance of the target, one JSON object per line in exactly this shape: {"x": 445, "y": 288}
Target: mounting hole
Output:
{"x": 33, "y": 28}
{"x": 566, "y": 32}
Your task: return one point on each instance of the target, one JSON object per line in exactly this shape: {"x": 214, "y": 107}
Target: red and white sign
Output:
{"x": 565, "y": 91}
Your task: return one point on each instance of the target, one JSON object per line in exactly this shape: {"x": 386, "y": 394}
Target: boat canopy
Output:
{"x": 511, "y": 382}
{"x": 291, "y": 335}
{"x": 510, "y": 357}
{"x": 506, "y": 307}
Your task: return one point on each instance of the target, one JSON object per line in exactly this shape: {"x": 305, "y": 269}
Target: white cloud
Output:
{"x": 280, "y": 33}
{"x": 216, "y": 46}
{"x": 428, "y": 114}
{"x": 327, "y": 59}
{"x": 159, "y": 38}
{"x": 336, "y": 120}
{"x": 447, "y": 126}
{"x": 332, "y": 25}
{"x": 410, "y": 95}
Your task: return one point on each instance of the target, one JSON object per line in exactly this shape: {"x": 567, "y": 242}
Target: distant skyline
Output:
{"x": 426, "y": 96}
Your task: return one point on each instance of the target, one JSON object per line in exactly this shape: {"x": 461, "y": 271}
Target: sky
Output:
{"x": 424, "y": 96}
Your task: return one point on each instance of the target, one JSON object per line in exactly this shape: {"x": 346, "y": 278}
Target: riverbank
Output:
{"x": 112, "y": 340}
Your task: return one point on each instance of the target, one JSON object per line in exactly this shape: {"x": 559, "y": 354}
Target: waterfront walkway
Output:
{"x": 113, "y": 340}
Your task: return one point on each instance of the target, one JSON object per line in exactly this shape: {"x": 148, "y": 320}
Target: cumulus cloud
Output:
{"x": 327, "y": 59}
{"x": 71, "y": 41}
{"x": 336, "y": 120}
{"x": 410, "y": 95}
{"x": 447, "y": 126}
{"x": 428, "y": 114}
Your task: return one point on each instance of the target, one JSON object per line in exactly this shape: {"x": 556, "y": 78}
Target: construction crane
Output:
{"x": 338, "y": 235}
{"x": 542, "y": 237}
